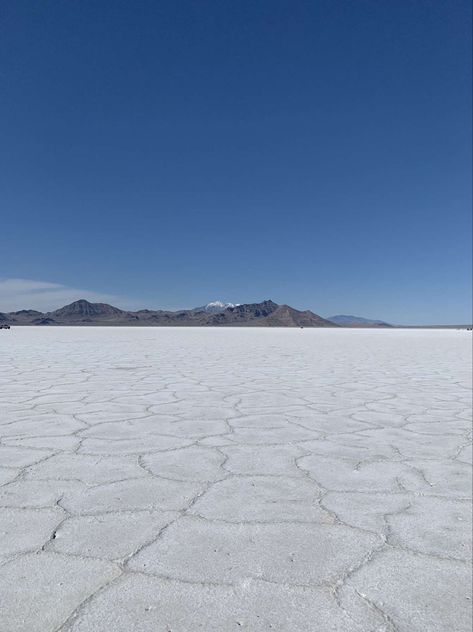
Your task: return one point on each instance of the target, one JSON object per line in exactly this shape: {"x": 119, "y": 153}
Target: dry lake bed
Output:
{"x": 173, "y": 480}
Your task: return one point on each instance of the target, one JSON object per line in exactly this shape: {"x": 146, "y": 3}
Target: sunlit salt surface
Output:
{"x": 158, "y": 480}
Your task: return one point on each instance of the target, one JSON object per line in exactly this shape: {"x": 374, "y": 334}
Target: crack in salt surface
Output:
{"x": 278, "y": 409}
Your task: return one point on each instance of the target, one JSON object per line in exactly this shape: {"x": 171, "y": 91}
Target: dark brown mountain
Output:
{"x": 84, "y": 309}
{"x": 287, "y": 316}
{"x": 268, "y": 314}
{"x": 43, "y": 320}
{"x": 27, "y": 313}
{"x": 265, "y": 314}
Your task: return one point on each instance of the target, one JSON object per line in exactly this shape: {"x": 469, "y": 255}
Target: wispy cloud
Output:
{"x": 44, "y": 296}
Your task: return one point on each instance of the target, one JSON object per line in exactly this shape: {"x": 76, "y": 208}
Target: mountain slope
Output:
{"x": 289, "y": 317}
{"x": 345, "y": 320}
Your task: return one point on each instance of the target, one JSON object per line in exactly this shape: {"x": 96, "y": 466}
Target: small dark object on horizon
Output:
{"x": 4, "y": 326}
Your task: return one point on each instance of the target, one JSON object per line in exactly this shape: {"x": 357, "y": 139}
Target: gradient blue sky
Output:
{"x": 164, "y": 154}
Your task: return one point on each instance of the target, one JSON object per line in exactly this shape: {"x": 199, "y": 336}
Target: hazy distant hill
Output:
{"x": 265, "y": 314}
{"x": 356, "y": 321}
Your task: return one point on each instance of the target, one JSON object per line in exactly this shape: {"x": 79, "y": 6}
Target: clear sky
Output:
{"x": 169, "y": 153}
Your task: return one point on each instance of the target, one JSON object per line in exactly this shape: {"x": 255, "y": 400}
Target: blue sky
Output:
{"x": 164, "y": 154}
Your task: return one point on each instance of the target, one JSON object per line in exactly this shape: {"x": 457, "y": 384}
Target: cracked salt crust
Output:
{"x": 161, "y": 480}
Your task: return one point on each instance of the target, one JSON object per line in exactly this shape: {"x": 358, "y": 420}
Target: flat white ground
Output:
{"x": 173, "y": 480}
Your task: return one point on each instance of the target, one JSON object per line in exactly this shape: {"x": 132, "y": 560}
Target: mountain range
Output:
{"x": 217, "y": 314}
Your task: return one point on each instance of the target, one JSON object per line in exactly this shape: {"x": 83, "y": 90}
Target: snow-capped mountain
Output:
{"x": 215, "y": 307}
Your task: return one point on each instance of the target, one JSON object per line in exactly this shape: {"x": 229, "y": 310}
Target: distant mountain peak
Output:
{"x": 269, "y": 314}
{"x": 265, "y": 308}
{"x": 83, "y": 308}
{"x": 214, "y": 307}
